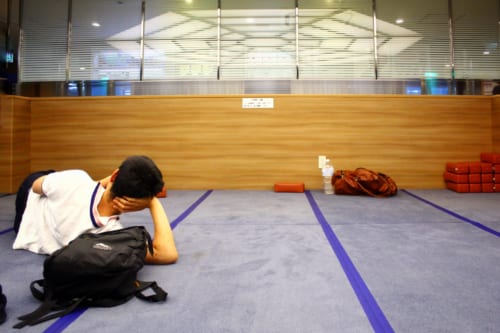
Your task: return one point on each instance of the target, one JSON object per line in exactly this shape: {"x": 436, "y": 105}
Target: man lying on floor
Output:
{"x": 53, "y": 208}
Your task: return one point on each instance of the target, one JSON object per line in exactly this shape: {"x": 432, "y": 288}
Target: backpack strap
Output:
{"x": 159, "y": 295}
{"x": 45, "y": 312}
{"x": 38, "y": 292}
{"x": 149, "y": 242}
{"x": 30, "y": 318}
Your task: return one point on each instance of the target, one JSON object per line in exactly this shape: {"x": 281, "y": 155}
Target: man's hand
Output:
{"x": 126, "y": 204}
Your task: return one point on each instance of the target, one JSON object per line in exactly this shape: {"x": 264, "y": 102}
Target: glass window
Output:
{"x": 4, "y": 56}
{"x": 105, "y": 40}
{"x": 413, "y": 39}
{"x": 258, "y": 39}
{"x": 476, "y": 38}
{"x": 336, "y": 39}
{"x": 44, "y": 40}
{"x": 180, "y": 39}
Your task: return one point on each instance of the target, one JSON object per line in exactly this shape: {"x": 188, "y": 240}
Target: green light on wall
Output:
{"x": 9, "y": 57}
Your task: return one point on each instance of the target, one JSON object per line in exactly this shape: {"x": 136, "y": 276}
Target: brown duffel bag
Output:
{"x": 364, "y": 182}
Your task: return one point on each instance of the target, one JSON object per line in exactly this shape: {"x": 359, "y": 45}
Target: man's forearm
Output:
{"x": 165, "y": 251}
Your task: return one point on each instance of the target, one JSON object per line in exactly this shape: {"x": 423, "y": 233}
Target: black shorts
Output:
{"x": 22, "y": 195}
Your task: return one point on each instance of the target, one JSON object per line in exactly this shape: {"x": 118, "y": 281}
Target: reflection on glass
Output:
{"x": 419, "y": 44}
{"x": 477, "y": 36}
{"x": 336, "y": 40}
{"x": 180, "y": 40}
{"x": 261, "y": 39}
{"x": 258, "y": 43}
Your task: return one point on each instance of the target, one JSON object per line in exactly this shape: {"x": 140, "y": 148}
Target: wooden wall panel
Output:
{"x": 14, "y": 142}
{"x": 5, "y": 144}
{"x": 21, "y": 157}
{"x": 211, "y": 142}
{"x": 496, "y": 123}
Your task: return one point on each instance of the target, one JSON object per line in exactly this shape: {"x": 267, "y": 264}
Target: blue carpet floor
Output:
{"x": 259, "y": 261}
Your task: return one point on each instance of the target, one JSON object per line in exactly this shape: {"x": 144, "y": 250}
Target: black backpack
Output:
{"x": 93, "y": 270}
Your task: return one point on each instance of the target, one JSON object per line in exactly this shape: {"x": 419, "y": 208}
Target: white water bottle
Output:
{"x": 327, "y": 172}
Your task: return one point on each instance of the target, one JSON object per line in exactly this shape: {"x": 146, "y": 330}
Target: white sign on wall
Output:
{"x": 258, "y": 103}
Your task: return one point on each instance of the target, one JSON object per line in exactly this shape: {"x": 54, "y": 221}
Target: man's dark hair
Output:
{"x": 138, "y": 177}
{"x": 496, "y": 90}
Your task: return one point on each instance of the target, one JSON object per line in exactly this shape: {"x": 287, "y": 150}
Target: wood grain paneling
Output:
{"x": 5, "y": 144}
{"x": 496, "y": 123}
{"x": 14, "y": 142}
{"x": 211, "y": 142}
